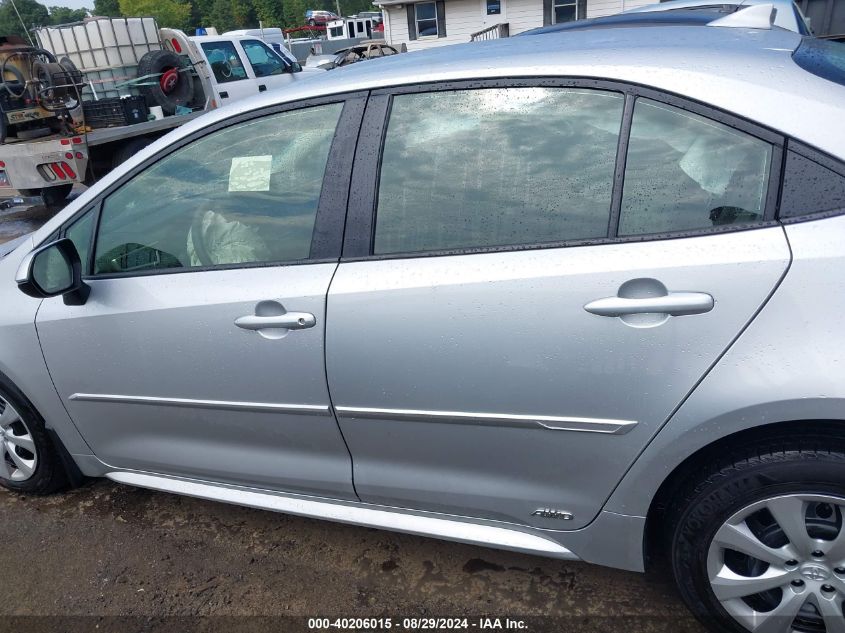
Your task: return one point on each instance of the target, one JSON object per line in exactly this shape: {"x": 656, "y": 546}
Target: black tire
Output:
{"x": 812, "y": 463}
{"x": 53, "y": 196}
{"x": 129, "y": 149}
{"x": 50, "y": 475}
{"x": 157, "y": 63}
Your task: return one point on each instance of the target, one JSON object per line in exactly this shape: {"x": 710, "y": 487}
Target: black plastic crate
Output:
{"x": 115, "y": 111}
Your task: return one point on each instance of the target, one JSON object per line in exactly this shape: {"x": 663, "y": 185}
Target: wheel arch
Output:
{"x": 654, "y": 538}
{"x": 74, "y": 475}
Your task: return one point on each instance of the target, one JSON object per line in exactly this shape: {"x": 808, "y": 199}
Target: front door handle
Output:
{"x": 261, "y": 87}
{"x": 288, "y": 321}
{"x": 672, "y": 303}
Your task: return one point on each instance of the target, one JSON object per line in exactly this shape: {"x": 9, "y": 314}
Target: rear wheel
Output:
{"x": 759, "y": 544}
{"x": 28, "y": 461}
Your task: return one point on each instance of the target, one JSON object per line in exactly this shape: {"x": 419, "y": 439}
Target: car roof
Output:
{"x": 748, "y": 72}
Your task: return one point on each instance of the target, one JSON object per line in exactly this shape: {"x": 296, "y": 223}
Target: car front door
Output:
{"x": 535, "y": 290}
{"x": 199, "y": 352}
{"x": 270, "y": 70}
{"x": 232, "y": 79}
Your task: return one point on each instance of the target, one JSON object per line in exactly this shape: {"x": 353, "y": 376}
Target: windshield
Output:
{"x": 823, "y": 58}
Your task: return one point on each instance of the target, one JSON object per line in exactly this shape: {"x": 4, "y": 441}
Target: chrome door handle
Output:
{"x": 288, "y": 321}
{"x": 673, "y": 303}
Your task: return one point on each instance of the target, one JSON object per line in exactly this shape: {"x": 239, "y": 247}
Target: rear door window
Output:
{"x": 685, "y": 172}
{"x": 496, "y": 167}
{"x": 810, "y": 187}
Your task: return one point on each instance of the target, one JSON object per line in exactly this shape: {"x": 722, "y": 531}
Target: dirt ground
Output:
{"x": 109, "y": 550}
{"x": 108, "y": 557}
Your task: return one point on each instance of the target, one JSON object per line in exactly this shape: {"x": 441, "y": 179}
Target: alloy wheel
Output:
{"x": 18, "y": 456}
{"x": 778, "y": 565}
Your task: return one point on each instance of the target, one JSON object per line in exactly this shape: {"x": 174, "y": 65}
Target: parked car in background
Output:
{"x": 577, "y": 295}
{"x": 351, "y": 55}
{"x": 319, "y": 18}
{"x": 788, "y": 14}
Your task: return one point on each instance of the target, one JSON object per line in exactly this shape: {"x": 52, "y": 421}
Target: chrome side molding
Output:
{"x": 305, "y": 409}
{"x": 551, "y": 423}
{"x": 436, "y": 526}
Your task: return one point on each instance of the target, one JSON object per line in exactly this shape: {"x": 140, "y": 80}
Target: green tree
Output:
{"x": 270, "y": 12}
{"x": 168, "y": 13}
{"x": 243, "y": 13}
{"x": 110, "y": 8}
{"x": 221, "y": 17}
{"x": 31, "y": 13}
{"x": 64, "y": 15}
{"x": 294, "y": 12}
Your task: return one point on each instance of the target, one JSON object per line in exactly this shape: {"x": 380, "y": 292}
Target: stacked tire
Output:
{"x": 168, "y": 86}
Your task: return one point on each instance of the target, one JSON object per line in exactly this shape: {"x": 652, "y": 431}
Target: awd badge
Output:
{"x": 548, "y": 513}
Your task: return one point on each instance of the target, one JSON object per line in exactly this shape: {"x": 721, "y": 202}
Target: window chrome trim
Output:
{"x": 225, "y": 405}
{"x": 540, "y": 422}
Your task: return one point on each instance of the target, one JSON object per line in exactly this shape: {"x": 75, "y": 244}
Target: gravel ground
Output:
{"x": 108, "y": 557}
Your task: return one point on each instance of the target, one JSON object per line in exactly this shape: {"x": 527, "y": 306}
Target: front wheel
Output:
{"x": 759, "y": 544}
{"x": 29, "y": 463}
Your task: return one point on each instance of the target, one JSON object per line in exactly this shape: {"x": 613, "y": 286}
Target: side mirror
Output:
{"x": 53, "y": 270}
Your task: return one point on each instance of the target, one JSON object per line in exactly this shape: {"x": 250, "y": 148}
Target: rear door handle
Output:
{"x": 288, "y": 321}
{"x": 261, "y": 87}
{"x": 673, "y": 303}
{"x": 224, "y": 95}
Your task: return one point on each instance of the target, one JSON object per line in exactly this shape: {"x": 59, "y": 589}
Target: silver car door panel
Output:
{"x": 157, "y": 376}
{"x": 511, "y": 339}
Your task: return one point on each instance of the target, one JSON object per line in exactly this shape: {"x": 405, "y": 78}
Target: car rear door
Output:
{"x": 199, "y": 352}
{"x": 534, "y": 277}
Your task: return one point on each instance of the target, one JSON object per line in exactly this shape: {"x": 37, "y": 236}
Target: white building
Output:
{"x": 426, "y": 23}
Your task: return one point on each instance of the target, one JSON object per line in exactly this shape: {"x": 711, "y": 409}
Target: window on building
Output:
{"x": 564, "y": 11}
{"x": 426, "y": 18}
{"x": 494, "y": 7}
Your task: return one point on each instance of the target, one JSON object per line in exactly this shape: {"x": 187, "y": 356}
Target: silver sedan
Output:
{"x": 576, "y": 294}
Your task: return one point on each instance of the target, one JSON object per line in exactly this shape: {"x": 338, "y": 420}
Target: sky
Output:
{"x": 73, "y": 4}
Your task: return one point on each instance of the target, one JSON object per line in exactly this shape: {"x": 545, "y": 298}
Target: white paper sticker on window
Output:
{"x": 250, "y": 173}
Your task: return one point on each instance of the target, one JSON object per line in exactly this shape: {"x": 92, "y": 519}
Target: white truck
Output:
{"x": 64, "y": 115}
